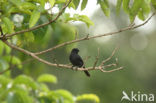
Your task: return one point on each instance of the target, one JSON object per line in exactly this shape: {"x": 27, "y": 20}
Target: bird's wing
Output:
{"x": 80, "y": 60}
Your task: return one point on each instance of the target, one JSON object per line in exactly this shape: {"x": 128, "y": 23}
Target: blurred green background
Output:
{"x": 136, "y": 54}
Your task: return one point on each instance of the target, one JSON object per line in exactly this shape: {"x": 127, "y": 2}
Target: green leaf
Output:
{"x": 78, "y": 17}
{"x": 126, "y": 6}
{"x": 23, "y": 79}
{"x": 25, "y": 11}
{"x": 76, "y": 3}
{"x": 4, "y": 80}
{"x": 83, "y": 18}
{"x": 17, "y": 94}
{"x": 29, "y": 37}
{"x": 72, "y": 5}
{"x": 8, "y": 24}
{"x": 44, "y": 87}
{"x": 66, "y": 17}
{"x": 146, "y": 8}
{"x": 141, "y": 8}
{"x": 7, "y": 49}
{"x": 118, "y": 6}
{"x": 60, "y": 1}
{"x": 91, "y": 97}
{"x": 14, "y": 98}
{"x": 16, "y": 2}
{"x": 105, "y": 8}
{"x": 42, "y": 2}
{"x": 67, "y": 96}
{"x": 141, "y": 15}
{"x": 39, "y": 34}
{"x": 47, "y": 78}
{"x": 16, "y": 61}
{"x": 21, "y": 7}
{"x": 136, "y": 6}
{"x": 28, "y": 5}
{"x": 52, "y": 2}
{"x": 83, "y": 5}
{"x": 3, "y": 64}
{"x": 135, "y": 9}
{"x": 107, "y": 3}
{"x": 34, "y": 18}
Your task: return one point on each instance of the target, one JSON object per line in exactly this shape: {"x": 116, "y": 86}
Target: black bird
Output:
{"x": 76, "y": 60}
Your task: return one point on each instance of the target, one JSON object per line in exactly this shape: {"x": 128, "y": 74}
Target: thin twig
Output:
{"x": 86, "y": 58}
{"x": 104, "y": 61}
{"x": 112, "y": 70}
{"x": 92, "y": 37}
{"x": 97, "y": 58}
{"x": 76, "y": 35}
{"x": 1, "y": 31}
{"x": 55, "y": 61}
{"x": 110, "y": 65}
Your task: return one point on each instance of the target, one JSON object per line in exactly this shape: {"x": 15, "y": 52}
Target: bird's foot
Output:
{"x": 74, "y": 68}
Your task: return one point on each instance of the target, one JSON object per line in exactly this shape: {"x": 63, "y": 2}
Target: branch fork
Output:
{"x": 102, "y": 67}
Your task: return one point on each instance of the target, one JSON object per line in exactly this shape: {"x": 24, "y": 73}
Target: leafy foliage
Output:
{"x": 105, "y": 7}
{"x": 133, "y": 8}
{"x": 88, "y": 97}
{"x": 47, "y": 78}
{"x": 17, "y": 15}
{"x": 8, "y": 24}
{"x": 140, "y": 8}
{"x": 33, "y": 20}
{"x": 24, "y": 89}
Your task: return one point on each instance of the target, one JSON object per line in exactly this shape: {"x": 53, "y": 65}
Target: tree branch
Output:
{"x": 130, "y": 27}
{"x": 55, "y": 64}
{"x": 39, "y": 26}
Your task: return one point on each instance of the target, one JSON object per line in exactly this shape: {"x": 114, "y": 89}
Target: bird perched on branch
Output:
{"x": 76, "y": 60}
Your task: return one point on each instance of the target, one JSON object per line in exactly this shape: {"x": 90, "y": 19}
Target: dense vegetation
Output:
{"x": 21, "y": 78}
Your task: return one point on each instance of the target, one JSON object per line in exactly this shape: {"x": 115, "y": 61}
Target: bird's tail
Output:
{"x": 86, "y": 72}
